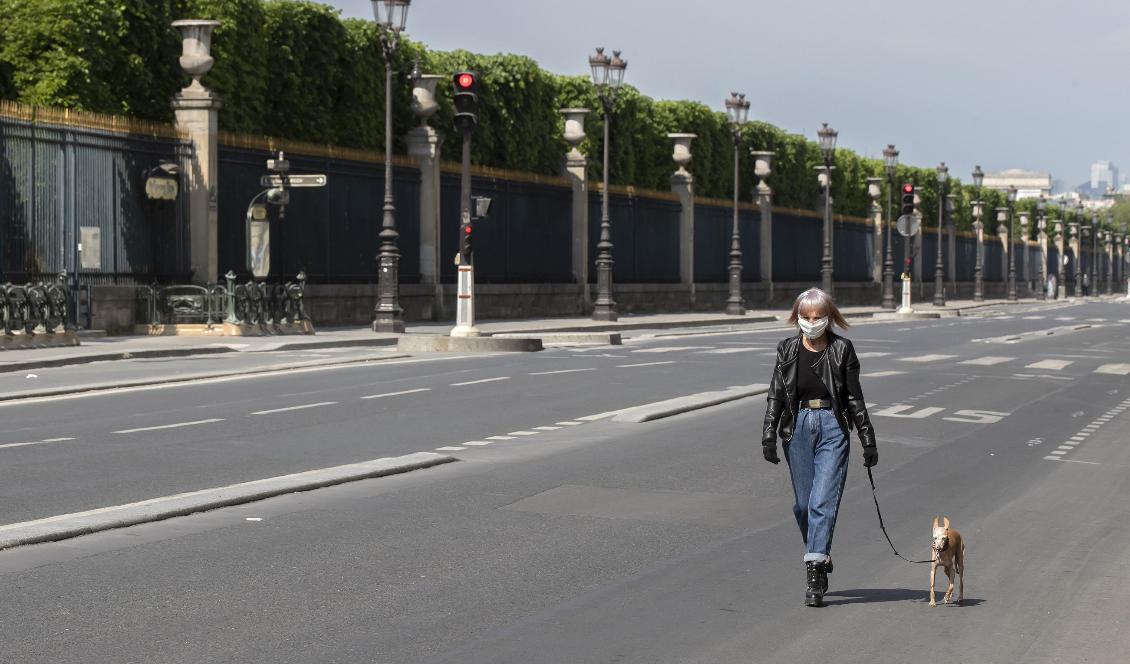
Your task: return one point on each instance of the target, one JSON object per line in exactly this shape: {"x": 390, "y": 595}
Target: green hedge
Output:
{"x": 295, "y": 69}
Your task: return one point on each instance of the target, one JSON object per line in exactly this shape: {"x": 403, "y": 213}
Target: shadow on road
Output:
{"x": 870, "y": 595}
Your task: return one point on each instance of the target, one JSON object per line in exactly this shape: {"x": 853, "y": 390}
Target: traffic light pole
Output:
{"x": 464, "y": 260}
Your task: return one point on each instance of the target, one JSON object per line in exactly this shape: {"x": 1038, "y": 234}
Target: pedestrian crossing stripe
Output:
{"x": 988, "y": 360}
{"x": 926, "y": 358}
{"x": 1114, "y": 369}
{"x": 868, "y": 354}
{"x": 1054, "y": 365}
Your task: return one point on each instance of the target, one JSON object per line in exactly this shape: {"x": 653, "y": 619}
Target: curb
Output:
{"x": 618, "y": 327}
{"x": 600, "y": 338}
{"x": 117, "y": 355}
{"x": 101, "y": 387}
{"x": 66, "y": 526}
{"x": 679, "y": 405}
{"x": 431, "y": 343}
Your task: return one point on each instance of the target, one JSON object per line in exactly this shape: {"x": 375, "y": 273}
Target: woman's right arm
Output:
{"x": 775, "y": 403}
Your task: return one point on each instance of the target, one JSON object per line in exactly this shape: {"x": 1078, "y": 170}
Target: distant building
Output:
{"x": 1104, "y": 176}
{"x": 1029, "y": 184}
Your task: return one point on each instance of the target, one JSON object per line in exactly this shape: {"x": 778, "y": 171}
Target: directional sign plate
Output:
{"x": 297, "y": 180}
{"x": 907, "y": 225}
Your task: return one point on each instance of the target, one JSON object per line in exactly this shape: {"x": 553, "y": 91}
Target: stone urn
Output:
{"x": 196, "y": 48}
{"x": 424, "y": 103}
{"x": 762, "y": 168}
{"x": 873, "y": 189}
{"x": 682, "y": 151}
{"x": 574, "y": 130}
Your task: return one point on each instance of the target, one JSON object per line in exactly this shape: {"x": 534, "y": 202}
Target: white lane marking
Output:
{"x": 569, "y": 424}
{"x": 987, "y": 360}
{"x": 477, "y": 443}
{"x": 977, "y": 416}
{"x": 1034, "y": 317}
{"x": 1053, "y": 458}
{"x": 1089, "y": 463}
{"x": 450, "y": 448}
{"x": 671, "y": 349}
{"x": 645, "y": 364}
{"x": 899, "y": 411}
{"x": 727, "y": 351}
{"x": 1059, "y": 452}
{"x": 926, "y": 358}
{"x": 546, "y": 428}
{"x": 396, "y": 394}
{"x": 500, "y": 437}
{"x": 1097, "y": 320}
{"x": 302, "y": 407}
{"x": 1066, "y": 447}
{"x": 1078, "y": 438}
{"x": 171, "y": 426}
{"x": 880, "y": 374}
{"x": 484, "y": 380}
{"x": 599, "y": 416}
{"x": 871, "y": 353}
{"x": 1114, "y": 369}
{"x": 35, "y": 442}
{"x": 523, "y": 433}
{"x": 1054, "y": 365}
{"x": 561, "y": 371}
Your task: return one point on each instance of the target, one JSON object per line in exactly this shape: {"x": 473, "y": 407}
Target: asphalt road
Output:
{"x": 598, "y": 541}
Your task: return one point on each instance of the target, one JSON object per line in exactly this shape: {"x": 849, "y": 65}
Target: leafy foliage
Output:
{"x": 295, "y": 69}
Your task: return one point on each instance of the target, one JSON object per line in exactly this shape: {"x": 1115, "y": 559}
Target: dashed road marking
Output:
{"x": 172, "y": 426}
{"x": 477, "y": 443}
{"x": 570, "y": 424}
{"x": 302, "y": 407}
{"x": 871, "y": 353}
{"x": 880, "y": 374}
{"x": 396, "y": 394}
{"x": 45, "y": 441}
{"x": 926, "y": 358}
{"x": 546, "y": 428}
{"x": 523, "y": 433}
{"x": 1054, "y": 365}
{"x": 1114, "y": 369}
{"x": 987, "y": 360}
{"x": 484, "y": 380}
{"x": 671, "y": 349}
{"x": 450, "y": 448}
{"x": 500, "y": 437}
{"x": 645, "y": 364}
{"x": 560, "y": 371}
{"x": 727, "y": 351}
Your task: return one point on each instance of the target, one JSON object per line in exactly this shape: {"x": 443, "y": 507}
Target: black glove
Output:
{"x": 770, "y": 452}
{"x": 870, "y": 456}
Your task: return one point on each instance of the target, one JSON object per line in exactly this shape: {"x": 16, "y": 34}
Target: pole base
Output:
{"x": 605, "y": 315}
{"x": 465, "y": 331}
{"x": 388, "y": 324}
{"x": 733, "y": 309}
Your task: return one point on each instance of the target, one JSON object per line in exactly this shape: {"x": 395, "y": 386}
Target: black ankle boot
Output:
{"x": 817, "y": 583}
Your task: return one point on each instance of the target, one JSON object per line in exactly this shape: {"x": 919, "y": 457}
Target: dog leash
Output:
{"x": 884, "y": 527}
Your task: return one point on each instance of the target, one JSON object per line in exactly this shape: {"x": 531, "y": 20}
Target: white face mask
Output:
{"x": 813, "y": 330}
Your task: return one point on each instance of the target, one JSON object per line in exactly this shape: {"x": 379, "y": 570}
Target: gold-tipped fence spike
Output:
{"x": 69, "y": 117}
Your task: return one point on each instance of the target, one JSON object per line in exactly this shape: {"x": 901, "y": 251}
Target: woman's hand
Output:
{"x": 770, "y": 452}
{"x": 870, "y": 456}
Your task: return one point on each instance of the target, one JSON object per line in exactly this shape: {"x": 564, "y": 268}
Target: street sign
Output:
{"x": 161, "y": 188}
{"x": 298, "y": 180}
{"x": 907, "y": 225}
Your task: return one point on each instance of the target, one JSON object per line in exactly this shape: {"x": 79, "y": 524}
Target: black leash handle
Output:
{"x": 883, "y": 527}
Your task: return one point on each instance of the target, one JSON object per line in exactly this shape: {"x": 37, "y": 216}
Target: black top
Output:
{"x": 809, "y": 386}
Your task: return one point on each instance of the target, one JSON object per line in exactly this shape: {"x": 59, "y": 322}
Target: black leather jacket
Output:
{"x": 839, "y": 369}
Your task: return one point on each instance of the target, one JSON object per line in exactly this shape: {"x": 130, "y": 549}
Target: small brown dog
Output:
{"x": 948, "y": 551}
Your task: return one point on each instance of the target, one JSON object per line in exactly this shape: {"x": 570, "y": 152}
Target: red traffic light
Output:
{"x": 467, "y": 229}
{"x": 465, "y": 81}
{"x": 908, "y": 189}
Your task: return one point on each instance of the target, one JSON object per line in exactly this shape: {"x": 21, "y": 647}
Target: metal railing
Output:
{"x": 251, "y": 303}
{"x": 36, "y": 307}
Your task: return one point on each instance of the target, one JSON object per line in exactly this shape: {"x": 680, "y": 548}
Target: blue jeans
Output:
{"x": 817, "y": 456}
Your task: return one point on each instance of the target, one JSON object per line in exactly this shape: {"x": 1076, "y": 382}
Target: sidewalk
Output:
{"x": 98, "y": 348}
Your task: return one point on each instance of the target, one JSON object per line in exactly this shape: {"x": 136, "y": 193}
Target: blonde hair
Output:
{"x": 814, "y": 298}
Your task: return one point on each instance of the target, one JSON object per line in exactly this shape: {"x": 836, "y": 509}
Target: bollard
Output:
{"x": 465, "y": 307}
{"x": 905, "y": 308}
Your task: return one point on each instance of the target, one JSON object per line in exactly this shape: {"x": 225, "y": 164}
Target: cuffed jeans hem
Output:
{"x": 817, "y": 557}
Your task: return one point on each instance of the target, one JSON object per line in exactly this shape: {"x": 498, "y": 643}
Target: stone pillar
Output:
{"x": 682, "y": 185}
{"x": 424, "y": 145}
{"x": 1023, "y": 268}
{"x": 951, "y": 242}
{"x": 197, "y": 113}
{"x": 874, "y": 190}
{"x": 1002, "y": 233}
{"x": 1076, "y": 274}
{"x": 763, "y": 167}
{"x": 576, "y": 169}
{"x": 1041, "y": 274}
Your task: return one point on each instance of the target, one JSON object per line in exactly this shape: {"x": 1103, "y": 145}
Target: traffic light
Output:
{"x": 466, "y": 100}
{"x": 907, "y": 199}
{"x": 465, "y": 249}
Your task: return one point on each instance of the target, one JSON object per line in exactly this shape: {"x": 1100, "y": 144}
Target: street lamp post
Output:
{"x": 891, "y": 162}
{"x": 828, "y": 149}
{"x": 1107, "y": 249}
{"x": 939, "y": 267}
{"x": 1076, "y": 242}
{"x": 1080, "y": 225}
{"x": 979, "y": 230}
{"x": 1025, "y": 271}
{"x": 1093, "y": 286}
{"x": 607, "y": 75}
{"x": 1060, "y": 287}
{"x": 737, "y": 110}
{"x": 390, "y": 15}
{"x": 1042, "y": 238}
{"x": 1011, "y": 246}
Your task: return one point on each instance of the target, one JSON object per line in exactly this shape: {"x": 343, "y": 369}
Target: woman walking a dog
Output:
{"x": 814, "y": 399}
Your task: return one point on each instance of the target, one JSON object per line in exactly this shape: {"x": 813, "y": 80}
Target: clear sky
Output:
{"x": 1034, "y": 84}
